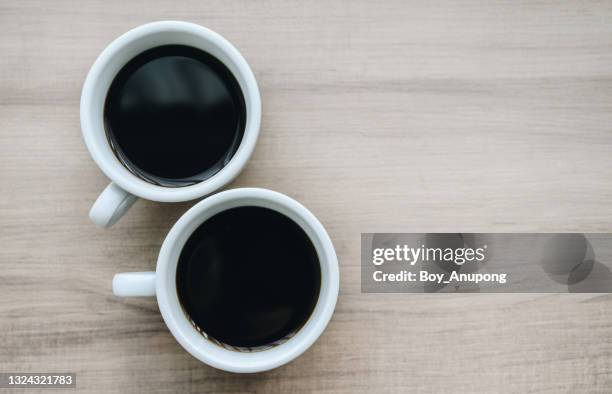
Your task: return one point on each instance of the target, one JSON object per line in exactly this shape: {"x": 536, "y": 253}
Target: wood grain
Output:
{"x": 378, "y": 116}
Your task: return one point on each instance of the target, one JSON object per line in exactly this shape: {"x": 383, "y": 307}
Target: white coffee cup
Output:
{"x": 125, "y": 187}
{"x": 162, "y": 283}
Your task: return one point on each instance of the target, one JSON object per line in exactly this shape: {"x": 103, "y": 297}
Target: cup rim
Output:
{"x": 114, "y": 170}
{"x": 193, "y": 341}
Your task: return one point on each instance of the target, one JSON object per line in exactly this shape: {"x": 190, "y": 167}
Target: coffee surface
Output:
{"x": 174, "y": 115}
{"x": 248, "y": 277}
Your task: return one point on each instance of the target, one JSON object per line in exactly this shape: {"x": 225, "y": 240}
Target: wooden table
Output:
{"x": 378, "y": 116}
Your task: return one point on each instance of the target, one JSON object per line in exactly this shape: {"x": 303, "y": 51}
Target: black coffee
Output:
{"x": 248, "y": 277}
{"x": 174, "y": 115}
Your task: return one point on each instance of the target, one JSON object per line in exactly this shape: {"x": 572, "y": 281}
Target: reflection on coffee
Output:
{"x": 174, "y": 115}
{"x": 248, "y": 277}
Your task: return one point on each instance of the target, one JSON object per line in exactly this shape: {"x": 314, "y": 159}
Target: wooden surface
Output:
{"x": 378, "y": 116}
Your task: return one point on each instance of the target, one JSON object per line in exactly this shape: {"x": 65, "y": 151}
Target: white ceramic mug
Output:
{"x": 162, "y": 283}
{"x": 125, "y": 187}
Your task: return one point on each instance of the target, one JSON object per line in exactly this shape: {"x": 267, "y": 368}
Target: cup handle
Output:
{"x": 110, "y": 206}
{"x": 134, "y": 284}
